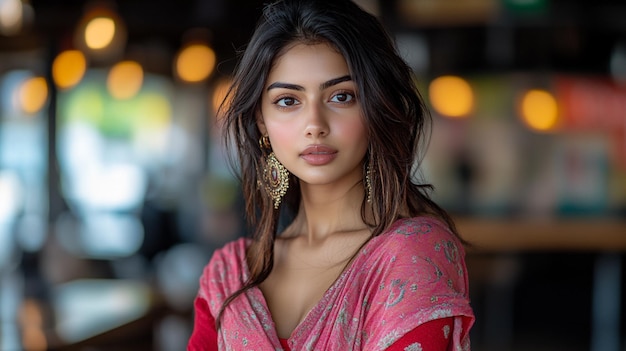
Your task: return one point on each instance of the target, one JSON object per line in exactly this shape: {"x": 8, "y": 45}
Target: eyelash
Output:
{"x": 281, "y": 99}
{"x": 278, "y": 100}
{"x": 344, "y": 92}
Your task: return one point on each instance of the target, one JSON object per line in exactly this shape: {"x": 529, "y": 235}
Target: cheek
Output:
{"x": 280, "y": 134}
{"x": 354, "y": 131}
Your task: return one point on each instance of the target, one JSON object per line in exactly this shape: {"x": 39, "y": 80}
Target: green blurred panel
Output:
{"x": 494, "y": 96}
{"x": 84, "y": 104}
{"x": 118, "y": 118}
{"x": 526, "y": 6}
{"x": 91, "y": 103}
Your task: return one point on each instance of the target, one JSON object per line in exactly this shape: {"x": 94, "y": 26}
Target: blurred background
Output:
{"x": 114, "y": 191}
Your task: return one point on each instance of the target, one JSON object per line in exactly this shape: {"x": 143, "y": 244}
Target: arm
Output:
{"x": 204, "y": 335}
{"x": 430, "y": 336}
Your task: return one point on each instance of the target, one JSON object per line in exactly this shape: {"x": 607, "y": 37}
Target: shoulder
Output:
{"x": 230, "y": 256}
{"x": 423, "y": 225}
{"x": 225, "y": 271}
{"x": 421, "y": 235}
{"x": 421, "y": 251}
{"x": 232, "y": 250}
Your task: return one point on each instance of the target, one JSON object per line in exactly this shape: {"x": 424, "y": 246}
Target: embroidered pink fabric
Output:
{"x": 413, "y": 273}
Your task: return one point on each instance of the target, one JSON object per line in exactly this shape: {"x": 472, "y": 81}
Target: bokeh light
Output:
{"x": 11, "y": 190}
{"x": 451, "y": 96}
{"x": 11, "y": 17}
{"x": 219, "y": 94}
{"x": 68, "y": 68}
{"x": 539, "y": 110}
{"x": 32, "y": 95}
{"x": 125, "y": 80}
{"x": 195, "y": 63}
{"x": 99, "y": 32}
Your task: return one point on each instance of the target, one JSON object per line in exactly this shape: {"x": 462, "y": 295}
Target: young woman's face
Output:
{"x": 312, "y": 115}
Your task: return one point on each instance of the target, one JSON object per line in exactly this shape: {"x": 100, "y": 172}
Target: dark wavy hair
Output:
{"x": 393, "y": 111}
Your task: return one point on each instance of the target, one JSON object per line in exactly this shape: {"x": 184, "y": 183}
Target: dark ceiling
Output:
{"x": 163, "y": 19}
{"x": 570, "y": 36}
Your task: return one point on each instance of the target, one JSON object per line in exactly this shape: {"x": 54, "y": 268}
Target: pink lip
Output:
{"x": 318, "y": 155}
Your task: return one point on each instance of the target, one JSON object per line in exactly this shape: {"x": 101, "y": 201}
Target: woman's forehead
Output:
{"x": 305, "y": 59}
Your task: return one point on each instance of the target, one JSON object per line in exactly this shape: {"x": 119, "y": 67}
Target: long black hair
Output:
{"x": 393, "y": 111}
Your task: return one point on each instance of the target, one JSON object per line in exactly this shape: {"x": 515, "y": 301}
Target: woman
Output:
{"x": 328, "y": 126}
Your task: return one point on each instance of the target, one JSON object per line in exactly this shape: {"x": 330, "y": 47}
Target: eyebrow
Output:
{"x": 323, "y": 86}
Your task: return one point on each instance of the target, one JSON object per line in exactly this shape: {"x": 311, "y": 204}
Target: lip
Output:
{"x": 318, "y": 155}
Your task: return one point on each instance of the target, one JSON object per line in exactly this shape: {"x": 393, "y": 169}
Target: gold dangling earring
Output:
{"x": 264, "y": 142}
{"x": 276, "y": 179}
{"x": 275, "y": 175}
{"x": 368, "y": 182}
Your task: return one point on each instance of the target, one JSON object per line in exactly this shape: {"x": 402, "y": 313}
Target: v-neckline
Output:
{"x": 315, "y": 312}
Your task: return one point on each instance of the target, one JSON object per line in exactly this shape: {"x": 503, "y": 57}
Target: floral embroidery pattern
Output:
{"x": 416, "y": 346}
{"x": 397, "y": 292}
{"x": 388, "y": 339}
{"x": 407, "y": 276}
{"x": 446, "y": 331}
{"x": 414, "y": 228}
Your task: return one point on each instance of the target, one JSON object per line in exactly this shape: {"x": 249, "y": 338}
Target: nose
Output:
{"x": 316, "y": 122}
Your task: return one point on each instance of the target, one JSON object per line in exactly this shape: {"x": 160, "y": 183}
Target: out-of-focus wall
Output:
{"x": 114, "y": 188}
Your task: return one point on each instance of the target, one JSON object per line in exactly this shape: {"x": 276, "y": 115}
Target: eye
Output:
{"x": 343, "y": 97}
{"x": 286, "y": 101}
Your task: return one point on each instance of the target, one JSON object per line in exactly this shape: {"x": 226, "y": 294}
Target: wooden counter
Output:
{"x": 501, "y": 235}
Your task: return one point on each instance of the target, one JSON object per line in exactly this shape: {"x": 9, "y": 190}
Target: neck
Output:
{"x": 326, "y": 210}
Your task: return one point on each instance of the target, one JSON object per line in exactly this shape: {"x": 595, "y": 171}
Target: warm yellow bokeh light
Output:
{"x": 68, "y": 68}
{"x": 125, "y": 80}
{"x": 195, "y": 63}
{"x": 32, "y": 94}
{"x": 99, "y": 32}
{"x": 219, "y": 94}
{"x": 451, "y": 96}
{"x": 539, "y": 109}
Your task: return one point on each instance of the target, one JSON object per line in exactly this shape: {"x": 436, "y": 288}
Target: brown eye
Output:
{"x": 286, "y": 102}
{"x": 342, "y": 98}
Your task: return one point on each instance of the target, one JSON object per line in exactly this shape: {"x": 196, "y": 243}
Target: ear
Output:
{"x": 260, "y": 123}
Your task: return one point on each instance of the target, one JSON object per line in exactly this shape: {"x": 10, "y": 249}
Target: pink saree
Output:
{"x": 411, "y": 274}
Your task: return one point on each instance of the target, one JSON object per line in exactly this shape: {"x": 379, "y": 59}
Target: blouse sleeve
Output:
{"x": 430, "y": 336}
{"x": 421, "y": 278}
{"x": 204, "y": 335}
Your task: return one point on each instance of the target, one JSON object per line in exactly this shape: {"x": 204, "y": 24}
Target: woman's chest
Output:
{"x": 299, "y": 281}
{"x": 293, "y": 290}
